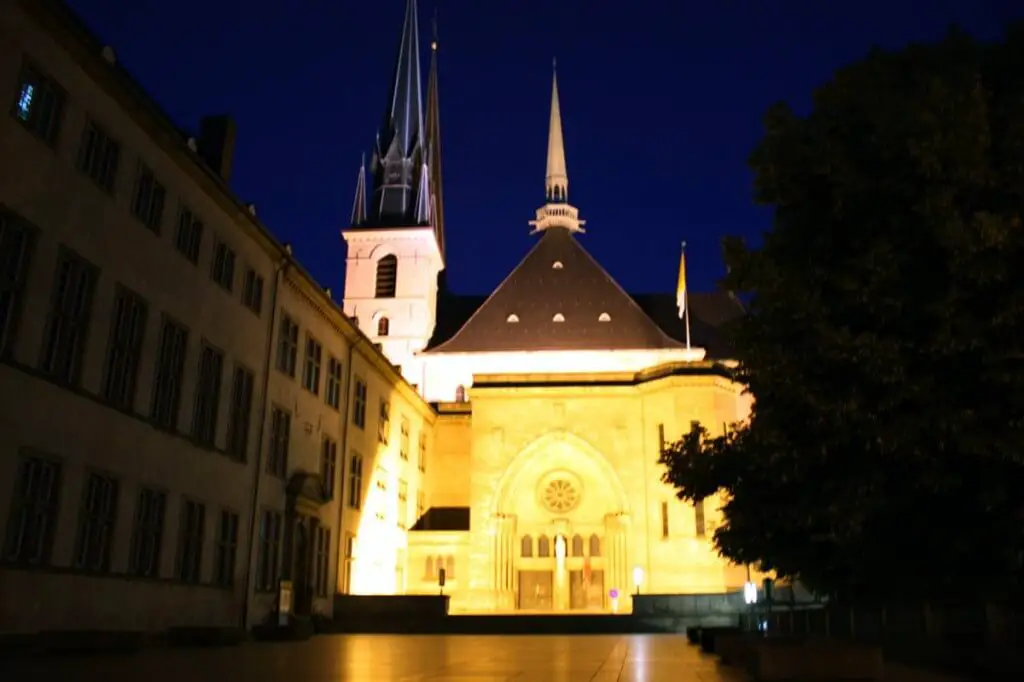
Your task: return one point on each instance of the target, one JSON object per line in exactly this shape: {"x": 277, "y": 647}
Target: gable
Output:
{"x": 558, "y": 298}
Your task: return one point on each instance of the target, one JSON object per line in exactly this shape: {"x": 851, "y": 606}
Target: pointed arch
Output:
{"x": 577, "y": 548}
{"x": 584, "y": 448}
{"x": 383, "y": 326}
{"x": 577, "y": 545}
{"x": 595, "y": 545}
{"x": 387, "y": 276}
{"x": 526, "y": 547}
{"x": 543, "y": 547}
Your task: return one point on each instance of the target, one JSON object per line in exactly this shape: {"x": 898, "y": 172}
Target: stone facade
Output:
{"x": 401, "y": 319}
{"x": 575, "y": 456}
{"x": 180, "y": 404}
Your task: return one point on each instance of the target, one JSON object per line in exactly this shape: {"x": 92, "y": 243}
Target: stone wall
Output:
{"x": 353, "y": 606}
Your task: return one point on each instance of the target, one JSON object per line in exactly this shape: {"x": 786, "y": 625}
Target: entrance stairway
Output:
{"x": 519, "y": 624}
{"x": 501, "y": 624}
{"x": 422, "y": 614}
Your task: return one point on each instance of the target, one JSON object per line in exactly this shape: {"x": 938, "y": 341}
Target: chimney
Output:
{"x": 217, "y": 144}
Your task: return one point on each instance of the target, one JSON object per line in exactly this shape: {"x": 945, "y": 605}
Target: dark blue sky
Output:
{"x": 661, "y": 101}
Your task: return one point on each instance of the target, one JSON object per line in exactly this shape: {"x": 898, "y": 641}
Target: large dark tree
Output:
{"x": 885, "y": 338}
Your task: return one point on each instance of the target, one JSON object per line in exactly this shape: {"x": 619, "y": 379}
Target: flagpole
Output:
{"x": 686, "y": 306}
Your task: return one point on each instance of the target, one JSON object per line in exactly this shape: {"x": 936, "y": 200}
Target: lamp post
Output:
{"x": 750, "y": 598}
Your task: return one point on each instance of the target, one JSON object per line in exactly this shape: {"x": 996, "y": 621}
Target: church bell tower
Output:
{"x": 395, "y": 241}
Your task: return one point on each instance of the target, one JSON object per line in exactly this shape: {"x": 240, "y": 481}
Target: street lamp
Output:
{"x": 638, "y": 578}
{"x": 750, "y": 593}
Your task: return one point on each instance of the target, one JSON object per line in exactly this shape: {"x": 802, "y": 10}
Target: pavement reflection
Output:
{"x": 383, "y": 658}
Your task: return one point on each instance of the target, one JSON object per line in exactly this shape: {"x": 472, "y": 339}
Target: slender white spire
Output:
{"x": 557, "y": 180}
{"x": 557, "y": 211}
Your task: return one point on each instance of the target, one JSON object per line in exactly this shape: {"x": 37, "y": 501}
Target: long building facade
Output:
{"x": 185, "y": 415}
{"x": 188, "y": 421}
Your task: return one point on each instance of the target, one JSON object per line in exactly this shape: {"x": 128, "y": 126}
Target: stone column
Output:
{"x": 511, "y": 552}
{"x": 626, "y": 561}
{"x": 494, "y": 532}
{"x": 617, "y": 572}
{"x": 503, "y": 537}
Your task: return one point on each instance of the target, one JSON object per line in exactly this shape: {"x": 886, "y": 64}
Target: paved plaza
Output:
{"x": 411, "y": 658}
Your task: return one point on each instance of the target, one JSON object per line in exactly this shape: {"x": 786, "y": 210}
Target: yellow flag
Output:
{"x": 681, "y": 287}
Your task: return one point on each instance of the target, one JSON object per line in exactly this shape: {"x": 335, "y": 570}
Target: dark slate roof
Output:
{"x": 401, "y": 151}
{"x": 710, "y": 314}
{"x": 580, "y": 290}
{"x": 453, "y": 310}
{"x": 444, "y": 519}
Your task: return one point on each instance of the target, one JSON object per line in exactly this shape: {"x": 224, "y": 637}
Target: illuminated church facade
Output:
{"x": 197, "y": 433}
{"x": 554, "y": 394}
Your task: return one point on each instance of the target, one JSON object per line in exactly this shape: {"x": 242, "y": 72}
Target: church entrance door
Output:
{"x": 536, "y": 589}
{"x": 586, "y": 593}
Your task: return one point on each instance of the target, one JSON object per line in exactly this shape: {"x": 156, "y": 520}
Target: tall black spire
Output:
{"x": 401, "y": 179}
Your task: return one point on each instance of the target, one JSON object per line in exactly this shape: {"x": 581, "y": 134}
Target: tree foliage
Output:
{"x": 884, "y": 343}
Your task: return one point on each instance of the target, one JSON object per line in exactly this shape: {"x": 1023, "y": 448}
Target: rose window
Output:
{"x": 561, "y": 496}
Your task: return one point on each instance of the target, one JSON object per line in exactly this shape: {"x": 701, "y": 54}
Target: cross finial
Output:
{"x": 433, "y": 23}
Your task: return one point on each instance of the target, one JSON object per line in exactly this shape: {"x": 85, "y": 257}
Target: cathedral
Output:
{"x": 554, "y": 394}
{"x": 195, "y": 427}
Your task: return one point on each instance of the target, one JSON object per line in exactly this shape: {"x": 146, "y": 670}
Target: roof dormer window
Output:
{"x": 604, "y": 317}
{"x": 512, "y": 318}
{"x": 559, "y": 317}
{"x": 557, "y": 265}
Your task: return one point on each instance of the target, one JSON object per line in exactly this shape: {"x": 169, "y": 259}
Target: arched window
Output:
{"x": 526, "y": 547}
{"x": 387, "y": 274}
{"x": 595, "y": 545}
{"x": 449, "y": 567}
{"x": 577, "y": 545}
{"x": 460, "y": 394}
{"x": 383, "y": 326}
{"x": 429, "y": 572}
{"x": 543, "y": 547}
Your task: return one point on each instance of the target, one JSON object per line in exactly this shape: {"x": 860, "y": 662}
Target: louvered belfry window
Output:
{"x": 387, "y": 271}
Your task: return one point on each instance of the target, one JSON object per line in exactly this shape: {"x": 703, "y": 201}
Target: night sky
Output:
{"x": 662, "y": 103}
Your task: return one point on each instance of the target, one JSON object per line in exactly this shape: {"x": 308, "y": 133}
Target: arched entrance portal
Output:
{"x": 560, "y": 519}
